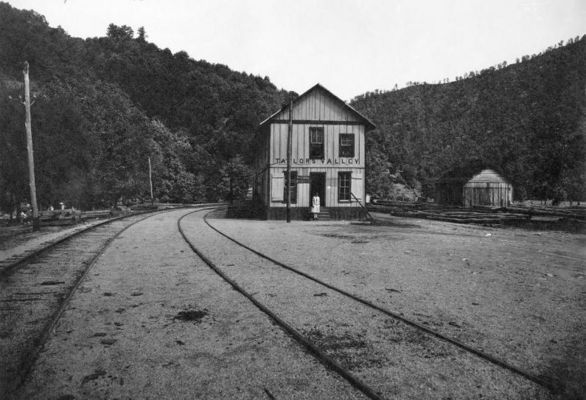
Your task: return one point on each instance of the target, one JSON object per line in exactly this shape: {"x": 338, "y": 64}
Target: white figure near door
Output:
{"x": 315, "y": 203}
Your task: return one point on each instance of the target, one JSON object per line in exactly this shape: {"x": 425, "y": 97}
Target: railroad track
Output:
{"x": 242, "y": 280}
{"x": 8, "y": 267}
{"x": 36, "y": 289}
{"x": 55, "y": 288}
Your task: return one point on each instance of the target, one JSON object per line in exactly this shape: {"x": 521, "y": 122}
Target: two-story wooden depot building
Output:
{"x": 328, "y": 139}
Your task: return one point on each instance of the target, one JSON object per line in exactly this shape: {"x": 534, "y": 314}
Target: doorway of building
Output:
{"x": 317, "y": 184}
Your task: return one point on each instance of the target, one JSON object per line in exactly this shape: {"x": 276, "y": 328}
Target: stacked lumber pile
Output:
{"x": 71, "y": 216}
{"x": 479, "y": 215}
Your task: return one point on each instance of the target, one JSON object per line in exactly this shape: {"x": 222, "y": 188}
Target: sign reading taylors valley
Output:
{"x": 329, "y": 161}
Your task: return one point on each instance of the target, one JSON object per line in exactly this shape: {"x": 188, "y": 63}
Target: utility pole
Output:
{"x": 151, "y": 182}
{"x": 289, "y": 145}
{"x": 29, "y": 146}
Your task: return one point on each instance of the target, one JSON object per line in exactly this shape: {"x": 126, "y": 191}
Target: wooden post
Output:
{"x": 289, "y": 150}
{"x": 151, "y": 181}
{"x": 29, "y": 146}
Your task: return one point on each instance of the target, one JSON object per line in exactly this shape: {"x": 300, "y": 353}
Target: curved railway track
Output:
{"x": 11, "y": 266}
{"x": 36, "y": 289}
{"x": 35, "y": 295}
{"x": 322, "y": 355}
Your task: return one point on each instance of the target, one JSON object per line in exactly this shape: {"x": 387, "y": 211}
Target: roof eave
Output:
{"x": 369, "y": 125}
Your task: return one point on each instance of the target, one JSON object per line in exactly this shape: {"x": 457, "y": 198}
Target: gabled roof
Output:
{"x": 475, "y": 170}
{"x": 367, "y": 123}
{"x": 487, "y": 176}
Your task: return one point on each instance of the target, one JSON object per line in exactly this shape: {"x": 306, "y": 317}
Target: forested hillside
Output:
{"x": 102, "y": 106}
{"x": 526, "y": 121}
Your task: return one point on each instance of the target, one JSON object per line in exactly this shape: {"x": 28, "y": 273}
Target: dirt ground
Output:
{"x": 517, "y": 294}
{"x": 151, "y": 321}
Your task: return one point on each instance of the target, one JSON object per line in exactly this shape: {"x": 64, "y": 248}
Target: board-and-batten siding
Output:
{"x": 318, "y": 107}
{"x": 315, "y": 108}
{"x": 300, "y": 150}
{"x": 300, "y": 142}
{"x": 303, "y": 195}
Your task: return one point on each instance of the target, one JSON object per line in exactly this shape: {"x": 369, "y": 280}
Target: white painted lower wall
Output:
{"x": 277, "y": 184}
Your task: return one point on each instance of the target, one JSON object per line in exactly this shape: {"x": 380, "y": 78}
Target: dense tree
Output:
{"x": 236, "y": 178}
{"x": 13, "y": 173}
{"x": 105, "y": 105}
{"x": 123, "y": 32}
{"x": 525, "y": 120}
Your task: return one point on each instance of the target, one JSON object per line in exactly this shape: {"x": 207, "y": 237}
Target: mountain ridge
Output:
{"x": 111, "y": 102}
{"x": 525, "y": 120}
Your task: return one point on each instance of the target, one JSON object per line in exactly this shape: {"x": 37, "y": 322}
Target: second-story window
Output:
{"x": 316, "y": 143}
{"x": 346, "y": 145}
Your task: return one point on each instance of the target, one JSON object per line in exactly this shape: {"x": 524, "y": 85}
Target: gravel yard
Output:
{"x": 517, "y": 294}
{"x": 151, "y": 320}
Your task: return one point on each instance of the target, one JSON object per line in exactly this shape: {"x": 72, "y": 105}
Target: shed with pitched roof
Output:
{"x": 487, "y": 189}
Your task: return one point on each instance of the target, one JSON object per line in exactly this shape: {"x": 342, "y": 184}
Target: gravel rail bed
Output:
{"x": 395, "y": 359}
{"x": 503, "y": 291}
{"x": 31, "y": 297}
{"x": 150, "y": 320}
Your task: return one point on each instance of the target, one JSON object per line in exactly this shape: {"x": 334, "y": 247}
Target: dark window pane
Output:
{"x": 316, "y": 143}
{"x": 344, "y": 186}
{"x": 293, "y": 187}
{"x": 346, "y": 145}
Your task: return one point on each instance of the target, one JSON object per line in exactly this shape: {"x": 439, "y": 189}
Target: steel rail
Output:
{"x": 296, "y": 335}
{"x": 7, "y": 270}
{"x": 546, "y": 383}
{"x": 29, "y": 358}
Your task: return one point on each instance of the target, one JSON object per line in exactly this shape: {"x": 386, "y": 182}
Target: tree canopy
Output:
{"x": 527, "y": 121}
{"x": 105, "y": 105}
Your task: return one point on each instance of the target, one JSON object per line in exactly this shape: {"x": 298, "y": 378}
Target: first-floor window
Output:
{"x": 293, "y": 187}
{"x": 344, "y": 186}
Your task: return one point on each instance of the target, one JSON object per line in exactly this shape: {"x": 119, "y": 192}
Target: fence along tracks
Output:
{"x": 36, "y": 289}
{"x": 322, "y": 356}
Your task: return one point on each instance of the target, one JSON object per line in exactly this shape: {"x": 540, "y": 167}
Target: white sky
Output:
{"x": 349, "y": 46}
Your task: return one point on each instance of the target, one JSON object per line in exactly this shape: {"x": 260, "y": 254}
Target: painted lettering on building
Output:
{"x": 329, "y": 161}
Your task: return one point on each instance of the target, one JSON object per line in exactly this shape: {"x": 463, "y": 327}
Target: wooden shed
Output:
{"x": 327, "y": 158}
{"x": 487, "y": 189}
{"x": 448, "y": 190}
